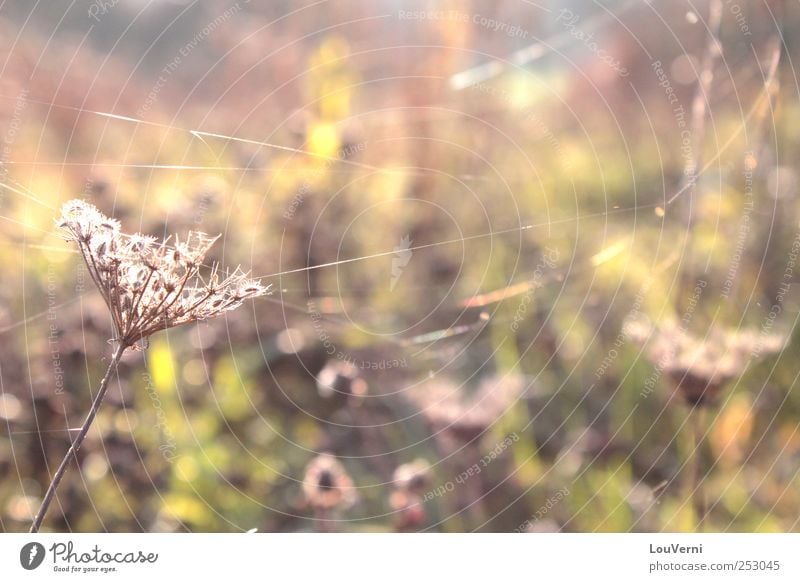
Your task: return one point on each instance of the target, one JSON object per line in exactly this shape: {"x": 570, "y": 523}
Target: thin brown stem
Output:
{"x": 76, "y": 444}
{"x": 697, "y": 474}
{"x": 135, "y": 304}
{"x": 322, "y": 521}
{"x": 700, "y": 101}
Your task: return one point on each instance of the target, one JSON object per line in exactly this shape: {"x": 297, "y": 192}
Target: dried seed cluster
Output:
{"x": 149, "y": 285}
{"x": 327, "y": 485}
{"x": 701, "y": 367}
{"x": 413, "y": 476}
{"x": 466, "y": 416}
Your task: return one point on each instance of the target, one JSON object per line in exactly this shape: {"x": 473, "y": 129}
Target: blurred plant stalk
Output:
{"x": 696, "y": 420}
{"x": 76, "y": 444}
{"x": 148, "y": 286}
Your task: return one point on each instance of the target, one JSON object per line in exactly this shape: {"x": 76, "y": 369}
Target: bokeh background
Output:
{"x": 462, "y": 207}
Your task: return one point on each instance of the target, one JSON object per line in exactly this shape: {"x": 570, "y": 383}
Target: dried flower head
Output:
{"x": 340, "y": 377}
{"x": 699, "y": 368}
{"x": 409, "y": 510}
{"x": 149, "y": 285}
{"x": 413, "y": 476}
{"x": 327, "y": 485}
{"x": 451, "y": 409}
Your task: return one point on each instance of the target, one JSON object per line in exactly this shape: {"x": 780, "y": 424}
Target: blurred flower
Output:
{"x": 700, "y": 367}
{"x": 147, "y": 285}
{"x": 327, "y": 485}
{"x": 409, "y": 482}
{"x": 409, "y": 510}
{"x": 449, "y": 408}
{"x": 340, "y": 377}
{"x": 413, "y": 476}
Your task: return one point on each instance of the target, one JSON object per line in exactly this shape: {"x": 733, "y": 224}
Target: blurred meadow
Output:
{"x": 533, "y": 265}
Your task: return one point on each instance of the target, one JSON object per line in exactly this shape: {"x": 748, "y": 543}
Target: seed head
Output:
{"x": 699, "y": 368}
{"x": 413, "y": 476}
{"x": 326, "y": 484}
{"x": 453, "y": 410}
{"x": 149, "y": 285}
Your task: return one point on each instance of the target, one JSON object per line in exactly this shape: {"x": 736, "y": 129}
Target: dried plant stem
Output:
{"x": 76, "y": 444}
{"x": 472, "y": 497}
{"x": 323, "y": 522}
{"x": 700, "y": 102}
{"x": 696, "y": 472}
